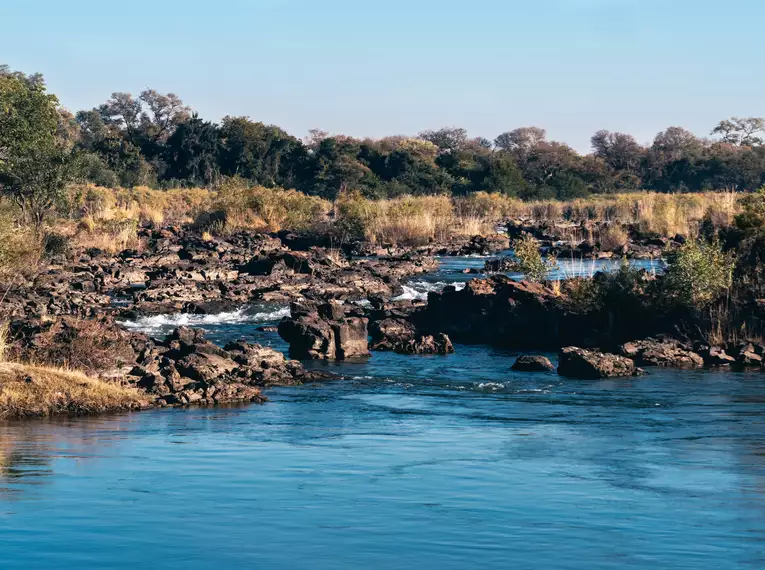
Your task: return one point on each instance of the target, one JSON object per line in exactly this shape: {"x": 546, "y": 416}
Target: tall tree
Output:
{"x": 741, "y": 131}
{"x": 35, "y": 163}
{"x": 193, "y": 152}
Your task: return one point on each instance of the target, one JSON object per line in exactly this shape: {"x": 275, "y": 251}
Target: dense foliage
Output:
{"x": 155, "y": 140}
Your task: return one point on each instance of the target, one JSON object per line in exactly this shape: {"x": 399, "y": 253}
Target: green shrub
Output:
{"x": 699, "y": 273}
{"x": 752, "y": 220}
{"x": 529, "y": 261}
{"x": 56, "y": 244}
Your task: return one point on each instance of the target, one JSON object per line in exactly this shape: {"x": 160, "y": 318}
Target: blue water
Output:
{"x": 451, "y": 272}
{"x": 432, "y": 462}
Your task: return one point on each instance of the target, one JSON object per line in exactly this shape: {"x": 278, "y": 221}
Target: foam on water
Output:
{"x": 159, "y": 324}
{"x": 418, "y": 290}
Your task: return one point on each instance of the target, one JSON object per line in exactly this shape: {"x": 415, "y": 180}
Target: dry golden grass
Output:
{"x": 4, "y": 342}
{"x": 20, "y": 249}
{"x": 109, "y": 236}
{"x": 264, "y": 209}
{"x": 405, "y": 220}
{"x": 36, "y": 391}
{"x": 612, "y": 237}
{"x": 664, "y": 214}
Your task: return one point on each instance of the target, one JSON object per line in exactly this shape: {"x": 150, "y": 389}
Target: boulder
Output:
{"x": 187, "y": 369}
{"x": 533, "y": 363}
{"x": 391, "y": 333}
{"x": 668, "y": 353}
{"x": 749, "y": 359}
{"x": 504, "y": 264}
{"x": 309, "y": 337}
{"x": 351, "y": 338}
{"x": 716, "y": 356}
{"x": 401, "y": 336}
{"x": 584, "y": 364}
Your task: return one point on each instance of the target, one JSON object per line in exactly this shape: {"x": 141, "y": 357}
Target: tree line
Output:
{"x": 154, "y": 139}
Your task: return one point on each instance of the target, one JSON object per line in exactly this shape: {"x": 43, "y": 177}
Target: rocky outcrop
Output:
{"x": 667, "y": 353}
{"x": 496, "y": 311}
{"x": 592, "y": 365}
{"x": 523, "y": 315}
{"x": 401, "y": 336}
{"x": 504, "y": 264}
{"x": 187, "y": 369}
{"x": 178, "y": 271}
{"x": 715, "y": 356}
{"x": 324, "y": 333}
{"x": 533, "y": 363}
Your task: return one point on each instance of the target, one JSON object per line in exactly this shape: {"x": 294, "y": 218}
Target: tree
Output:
{"x": 165, "y": 113}
{"x": 447, "y": 139}
{"x": 123, "y": 112}
{"x": 675, "y": 143}
{"x": 521, "y": 141}
{"x": 741, "y": 131}
{"x": 264, "y": 154}
{"x": 623, "y": 154}
{"x": 193, "y": 152}
{"x": 501, "y": 174}
{"x": 35, "y": 163}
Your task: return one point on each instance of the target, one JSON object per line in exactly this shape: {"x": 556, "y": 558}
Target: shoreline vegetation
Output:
{"x": 141, "y": 201}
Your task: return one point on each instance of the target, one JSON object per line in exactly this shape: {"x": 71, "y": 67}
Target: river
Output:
{"x": 438, "y": 462}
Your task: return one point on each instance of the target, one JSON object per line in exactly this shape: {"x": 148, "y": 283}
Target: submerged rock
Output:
{"x": 591, "y": 365}
{"x": 533, "y": 363}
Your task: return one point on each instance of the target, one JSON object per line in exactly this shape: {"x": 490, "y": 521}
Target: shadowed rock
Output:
{"x": 533, "y": 363}
{"x": 324, "y": 333}
{"x": 401, "y": 336}
{"x": 591, "y": 365}
{"x": 668, "y": 353}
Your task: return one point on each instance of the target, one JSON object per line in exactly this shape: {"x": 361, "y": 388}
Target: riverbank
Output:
{"x": 38, "y": 391}
{"x": 83, "y": 308}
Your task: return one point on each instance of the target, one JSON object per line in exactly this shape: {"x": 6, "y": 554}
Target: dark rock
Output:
{"x": 749, "y": 359}
{"x": 533, "y": 363}
{"x": 313, "y": 337}
{"x": 309, "y": 337}
{"x": 669, "y": 353}
{"x": 400, "y": 335}
{"x": 331, "y": 311}
{"x": 504, "y": 264}
{"x": 716, "y": 356}
{"x": 591, "y": 365}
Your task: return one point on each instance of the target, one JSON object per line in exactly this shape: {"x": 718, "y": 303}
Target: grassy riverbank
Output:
{"x": 108, "y": 218}
{"x": 36, "y": 391}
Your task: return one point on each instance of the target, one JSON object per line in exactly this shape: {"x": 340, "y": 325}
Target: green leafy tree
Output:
{"x": 36, "y": 163}
{"x": 741, "y": 131}
{"x": 529, "y": 261}
{"x": 699, "y": 274}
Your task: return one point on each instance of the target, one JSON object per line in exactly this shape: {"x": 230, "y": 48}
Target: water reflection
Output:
{"x": 448, "y": 462}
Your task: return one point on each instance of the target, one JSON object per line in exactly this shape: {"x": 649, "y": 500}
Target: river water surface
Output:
{"x": 434, "y": 462}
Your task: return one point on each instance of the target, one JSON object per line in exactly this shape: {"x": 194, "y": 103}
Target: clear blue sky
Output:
{"x": 374, "y": 68}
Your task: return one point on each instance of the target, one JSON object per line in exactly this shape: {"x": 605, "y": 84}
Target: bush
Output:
{"x": 406, "y": 220}
{"x": 613, "y": 238}
{"x": 752, "y": 220}
{"x": 699, "y": 273}
{"x": 56, "y": 244}
{"x": 19, "y": 246}
{"x": 528, "y": 259}
{"x": 267, "y": 209}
